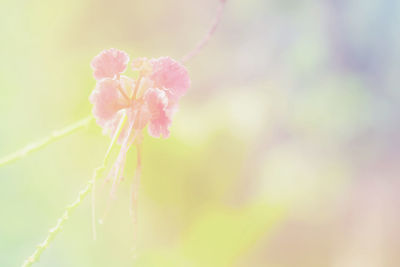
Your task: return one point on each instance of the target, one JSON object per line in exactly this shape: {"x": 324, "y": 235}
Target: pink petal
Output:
{"x": 109, "y": 63}
{"x": 106, "y": 100}
{"x": 157, "y": 103}
{"x": 171, "y": 76}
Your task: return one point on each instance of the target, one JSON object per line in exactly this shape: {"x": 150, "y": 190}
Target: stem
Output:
{"x": 208, "y": 35}
{"x": 93, "y": 200}
{"x": 56, "y": 135}
{"x": 123, "y": 93}
{"x": 121, "y": 159}
{"x": 133, "y": 209}
{"x": 81, "y": 196}
{"x": 135, "y": 183}
{"x": 137, "y": 85}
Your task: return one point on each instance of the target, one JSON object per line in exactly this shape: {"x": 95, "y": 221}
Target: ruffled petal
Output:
{"x": 157, "y": 103}
{"x": 109, "y": 63}
{"x": 106, "y": 100}
{"x": 171, "y": 76}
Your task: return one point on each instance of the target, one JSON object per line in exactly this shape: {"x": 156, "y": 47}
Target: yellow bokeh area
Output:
{"x": 284, "y": 151}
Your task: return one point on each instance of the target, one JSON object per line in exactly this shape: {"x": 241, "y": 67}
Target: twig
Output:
{"x": 82, "y": 194}
{"x": 208, "y": 35}
{"x": 56, "y": 135}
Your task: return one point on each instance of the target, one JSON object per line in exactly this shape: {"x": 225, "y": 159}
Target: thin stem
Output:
{"x": 93, "y": 200}
{"x": 137, "y": 85}
{"x": 81, "y": 196}
{"x": 208, "y": 35}
{"x": 133, "y": 209}
{"x": 123, "y": 93}
{"x": 121, "y": 159}
{"x": 120, "y": 162}
{"x": 56, "y": 135}
{"x": 135, "y": 183}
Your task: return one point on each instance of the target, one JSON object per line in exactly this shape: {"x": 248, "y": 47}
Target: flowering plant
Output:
{"x": 151, "y": 99}
{"x": 123, "y": 107}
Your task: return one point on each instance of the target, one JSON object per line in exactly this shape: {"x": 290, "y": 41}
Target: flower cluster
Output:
{"x": 151, "y": 99}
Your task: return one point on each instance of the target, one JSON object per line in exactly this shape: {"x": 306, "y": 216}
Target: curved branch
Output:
{"x": 208, "y": 35}
{"x": 81, "y": 196}
{"x": 56, "y": 135}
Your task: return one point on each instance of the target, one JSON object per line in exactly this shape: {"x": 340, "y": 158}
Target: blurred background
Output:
{"x": 285, "y": 151}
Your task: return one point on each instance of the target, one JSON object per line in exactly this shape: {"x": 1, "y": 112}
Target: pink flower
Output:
{"x": 109, "y": 63}
{"x": 150, "y": 99}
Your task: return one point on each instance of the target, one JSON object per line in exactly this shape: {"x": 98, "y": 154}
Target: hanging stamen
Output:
{"x": 120, "y": 161}
{"x": 117, "y": 133}
{"x": 135, "y": 183}
{"x": 123, "y": 93}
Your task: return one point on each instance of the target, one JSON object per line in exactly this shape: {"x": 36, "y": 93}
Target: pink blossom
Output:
{"x": 109, "y": 63}
{"x": 150, "y": 99}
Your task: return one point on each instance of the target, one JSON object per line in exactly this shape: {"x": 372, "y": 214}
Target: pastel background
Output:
{"x": 285, "y": 151}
